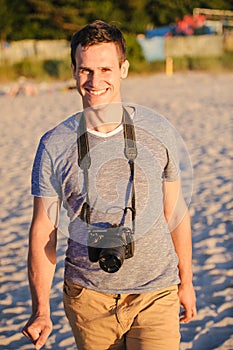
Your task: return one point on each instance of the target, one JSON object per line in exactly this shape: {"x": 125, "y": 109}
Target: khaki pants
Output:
{"x": 148, "y": 321}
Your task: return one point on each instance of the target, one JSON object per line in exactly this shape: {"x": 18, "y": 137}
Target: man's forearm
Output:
{"x": 178, "y": 219}
{"x": 41, "y": 267}
{"x": 182, "y": 240}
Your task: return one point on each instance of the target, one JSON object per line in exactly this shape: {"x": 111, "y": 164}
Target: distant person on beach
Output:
{"x": 128, "y": 265}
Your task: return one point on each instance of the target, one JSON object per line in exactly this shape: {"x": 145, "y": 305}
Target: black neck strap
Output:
{"x": 84, "y": 161}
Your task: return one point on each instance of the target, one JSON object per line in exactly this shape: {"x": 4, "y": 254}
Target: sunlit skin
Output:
{"x": 98, "y": 74}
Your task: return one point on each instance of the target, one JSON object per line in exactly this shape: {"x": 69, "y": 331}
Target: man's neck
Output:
{"x": 106, "y": 128}
{"x": 104, "y": 119}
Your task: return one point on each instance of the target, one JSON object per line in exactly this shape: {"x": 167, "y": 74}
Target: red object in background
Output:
{"x": 188, "y": 24}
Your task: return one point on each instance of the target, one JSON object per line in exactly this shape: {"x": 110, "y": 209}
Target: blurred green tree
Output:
{"x": 6, "y": 21}
{"x": 165, "y": 12}
{"x": 57, "y": 19}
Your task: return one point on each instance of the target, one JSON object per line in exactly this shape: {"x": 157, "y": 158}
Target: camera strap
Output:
{"x": 84, "y": 162}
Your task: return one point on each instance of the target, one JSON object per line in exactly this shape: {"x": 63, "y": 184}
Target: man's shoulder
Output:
{"x": 152, "y": 122}
{"x": 63, "y": 131}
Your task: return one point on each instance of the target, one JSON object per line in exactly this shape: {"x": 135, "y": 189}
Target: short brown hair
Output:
{"x": 96, "y": 33}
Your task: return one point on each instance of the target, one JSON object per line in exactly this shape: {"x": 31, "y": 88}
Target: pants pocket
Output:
{"x": 73, "y": 291}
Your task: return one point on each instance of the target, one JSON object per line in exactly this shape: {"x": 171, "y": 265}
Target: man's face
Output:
{"x": 98, "y": 74}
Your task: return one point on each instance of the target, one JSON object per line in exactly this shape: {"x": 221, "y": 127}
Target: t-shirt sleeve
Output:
{"x": 172, "y": 168}
{"x": 44, "y": 182}
{"x": 171, "y": 171}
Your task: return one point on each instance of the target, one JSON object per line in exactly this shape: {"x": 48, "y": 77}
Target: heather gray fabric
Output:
{"x": 56, "y": 174}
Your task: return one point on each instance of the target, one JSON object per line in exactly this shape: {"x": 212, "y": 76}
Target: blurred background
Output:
{"x": 161, "y": 35}
{"x": 171, "y": 37}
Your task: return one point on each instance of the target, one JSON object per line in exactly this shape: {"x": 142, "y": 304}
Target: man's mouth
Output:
{"x": 97, "y": 92}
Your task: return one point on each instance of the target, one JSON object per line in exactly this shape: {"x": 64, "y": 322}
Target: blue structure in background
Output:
{"x": 153, "y": 44}
{"x": 153, "y": 49}
{"x": 162, "y": 31}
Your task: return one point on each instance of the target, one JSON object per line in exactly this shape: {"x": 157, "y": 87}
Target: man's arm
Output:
{"x": 41, "y": 267}
{"x": 178, "y": 219}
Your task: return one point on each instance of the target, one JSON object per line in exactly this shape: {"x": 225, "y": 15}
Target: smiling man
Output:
{"x": 115, "y": 169}
{"x": 98, "y": 73}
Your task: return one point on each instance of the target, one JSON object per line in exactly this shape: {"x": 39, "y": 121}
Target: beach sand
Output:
{"x": 200, "y": 107}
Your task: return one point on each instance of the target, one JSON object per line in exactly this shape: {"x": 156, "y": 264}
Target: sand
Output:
{"x": 200, "y": 107}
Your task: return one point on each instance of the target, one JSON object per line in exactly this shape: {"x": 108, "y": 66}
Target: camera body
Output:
{"x": 110, "y": 247}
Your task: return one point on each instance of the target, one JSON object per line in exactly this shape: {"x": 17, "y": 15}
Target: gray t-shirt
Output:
{"x": 56, "y": 174}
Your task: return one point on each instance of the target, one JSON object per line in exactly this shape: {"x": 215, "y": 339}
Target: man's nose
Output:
{"x": 95, "y": 78}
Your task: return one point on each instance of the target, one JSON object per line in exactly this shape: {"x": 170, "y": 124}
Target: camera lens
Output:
{"x": 110, "y": 260}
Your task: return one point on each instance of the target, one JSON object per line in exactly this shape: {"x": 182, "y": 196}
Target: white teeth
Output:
{"x": 97, "y": 93}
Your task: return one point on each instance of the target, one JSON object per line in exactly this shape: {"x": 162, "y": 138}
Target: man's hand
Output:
{"x": 187, "y": 298}
{"x": 37, "y": 330}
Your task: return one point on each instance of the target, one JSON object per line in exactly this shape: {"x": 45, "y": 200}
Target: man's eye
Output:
{"x": 106, "y": 70}
{"x": 84, "y": 71}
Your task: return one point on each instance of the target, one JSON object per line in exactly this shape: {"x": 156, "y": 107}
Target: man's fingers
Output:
{"x": 42, "y": 338}
{"x": 31, "y": 333}
{"x": 188, "y": 315}
{"x": 27, "y": 335}
{"x": 37, "y": 331}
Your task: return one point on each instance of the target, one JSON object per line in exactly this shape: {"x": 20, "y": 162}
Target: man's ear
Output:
{"x": 124, "y": 69}
{"x": 73, "y": 69}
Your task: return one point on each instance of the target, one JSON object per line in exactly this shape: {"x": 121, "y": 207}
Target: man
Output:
{"x": 116, "y": 296}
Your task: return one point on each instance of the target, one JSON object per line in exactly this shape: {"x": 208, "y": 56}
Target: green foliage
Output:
{"x": 166, "y": 12}
{"x": 59, "y": 19}
{"x": 57, "y": 68}
{"x": 163, "y": 12}
{"x": 60, "y": 69}
{"x": 52, "y": 67}
{"x": 222, "y": 63}
{"x": 28, "y": 68}
{"x": 39, "y": 69}
{"x": 227, "y": 61}
{"x": 134, "y": 52}
{"x": 6, "y": 20}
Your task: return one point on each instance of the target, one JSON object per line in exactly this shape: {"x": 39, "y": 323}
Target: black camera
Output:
{"x": 110, "y": 247}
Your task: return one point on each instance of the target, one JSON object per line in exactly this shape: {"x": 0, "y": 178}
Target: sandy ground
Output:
{"x": 200, "y": 106}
